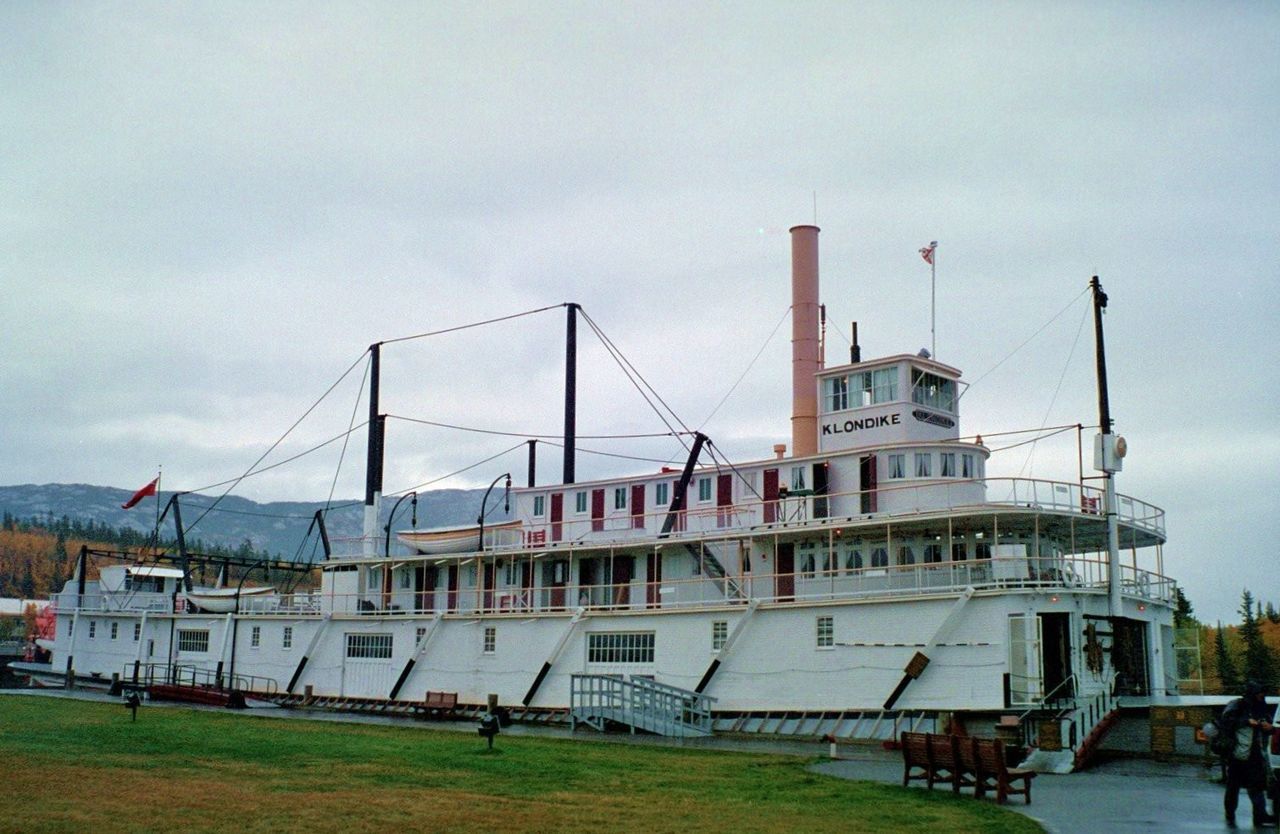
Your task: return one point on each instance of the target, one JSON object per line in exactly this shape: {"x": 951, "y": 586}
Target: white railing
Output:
{"x": 1068, "y": 575}
{"x": 887, "y": 503}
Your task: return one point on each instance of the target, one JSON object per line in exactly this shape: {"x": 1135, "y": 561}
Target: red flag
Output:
{"x": 927, "y": 253}
{"x": 149, "y": 489}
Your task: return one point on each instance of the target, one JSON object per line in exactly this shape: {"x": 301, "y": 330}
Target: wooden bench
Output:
{"x": 945, "y": 760}
{"x": 440, "y": 702}
{"x": 915, "y": 756}
{"x": 994, "y": 772}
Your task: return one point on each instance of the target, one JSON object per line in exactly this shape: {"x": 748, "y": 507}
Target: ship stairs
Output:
{"x": 1063, "y": 734}
{"x": 714, "y": 568}
{"x": 639, "y": 704}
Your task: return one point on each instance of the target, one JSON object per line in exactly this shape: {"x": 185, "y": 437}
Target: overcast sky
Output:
{"x": 210, "y": 210}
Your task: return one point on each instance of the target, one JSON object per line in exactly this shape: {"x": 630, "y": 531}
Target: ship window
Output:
{"x": 826, "y": 632}
{"x": 933, "y": 390}
{"x": 619, "y": 498}
{"x": 115, "y": 630}
{"x": 967, "y": 462}
{"x": 932, "y": 553}
{"x": 959, "y": 552}
{"x": 286, "y": 638}
{"x": 580, "y": 502}
{"x": 404, "y": 579}
{"x": 490, "y": 639}
{"x": 982, "y": 550}
{"x": 806, "y": 564}
{"x": 880, "y": 558}
{"x": 906, "y": 556}
{"x": 853, "y": 561}
{"x": 509, "y": 574}
{"x": 719, "y": 634}
{"x": 539, "y": 506}
{"x": 368, "y": 646}
{"x": 924, "y": 464}
{"x": 872, "y": 387}
{"x": 137, "y": 632}
{"x": 620, "y": 647}
{"x": 418, "y": 634}
{"x": 948, "y": 464}
{"x": 897, "y": 466}
{"x": 797, "y": 478}
{"x": 93, "y": 628}
{"x": 704, "y": 489}
{"x": 661, "y": 494}
{"x": 828, "y": 559}
{"x": 837, "y": 393}
{"x": 190, "y": 640}
{"x": 255, "y": 637}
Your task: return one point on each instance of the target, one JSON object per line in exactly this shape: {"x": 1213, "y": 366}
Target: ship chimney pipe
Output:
{"x": 804, "y": 340}
{"x": 855, "y": 352}
{"x": 779, "y": 450}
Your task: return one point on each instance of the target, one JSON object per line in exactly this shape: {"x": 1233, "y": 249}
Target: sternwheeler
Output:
{"x": 868, "y": 578}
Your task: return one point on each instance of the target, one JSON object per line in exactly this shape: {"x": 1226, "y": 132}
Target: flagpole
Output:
{"x": 159, "y": 475}
{"x": 933, "y": 295}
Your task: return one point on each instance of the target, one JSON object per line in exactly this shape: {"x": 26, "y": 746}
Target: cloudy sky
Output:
{"x": 210, "y": 210}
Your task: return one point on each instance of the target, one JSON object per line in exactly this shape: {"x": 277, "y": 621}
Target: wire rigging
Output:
{"x": 1028, "y": 340}
{"x": 527, "y": 435}
{"x": 1065, "y": 366}
{"x": 750, "y": 365}
{"x": 355, "y": 409}
{"x": 472, "y": 324}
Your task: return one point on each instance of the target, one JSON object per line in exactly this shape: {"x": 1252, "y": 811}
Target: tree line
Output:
{"x": 37, "y": 554}
{"x": 1234, "y": 654}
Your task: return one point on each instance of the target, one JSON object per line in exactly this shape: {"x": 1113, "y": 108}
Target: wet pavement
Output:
{"x": 1122, "y": 796}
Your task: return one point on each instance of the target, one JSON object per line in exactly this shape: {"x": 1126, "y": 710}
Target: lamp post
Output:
{"x": 506, "y": 505}
{"x": 386, "y": 550}
{"x": 235, "y": 619}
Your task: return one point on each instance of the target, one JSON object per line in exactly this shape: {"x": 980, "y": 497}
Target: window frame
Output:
{"x": 825, "y": 631}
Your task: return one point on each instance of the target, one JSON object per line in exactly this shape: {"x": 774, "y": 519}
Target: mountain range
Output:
{"x": 278, "y": 527}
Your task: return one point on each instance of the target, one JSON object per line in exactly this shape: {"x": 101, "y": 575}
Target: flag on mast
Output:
{"x": 926, "y": 252}
{"x": 149, "y": 489}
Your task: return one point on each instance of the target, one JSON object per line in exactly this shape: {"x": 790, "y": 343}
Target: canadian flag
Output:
{"x": 149, "y": 489}
{"x": 927, "y": 252}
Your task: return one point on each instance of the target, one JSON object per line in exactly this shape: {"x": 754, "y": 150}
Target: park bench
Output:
{"x": 440, "y": 703}
{"x": 942, "y": 757}
{"x": 994, "y": 772}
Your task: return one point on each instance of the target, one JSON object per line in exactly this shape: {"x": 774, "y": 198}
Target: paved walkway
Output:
{"x": 1121, "y": 796}
{"x": 1129, "y": 795}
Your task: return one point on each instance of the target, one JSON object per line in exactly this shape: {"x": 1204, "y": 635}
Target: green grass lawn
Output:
{"x": 80, "y": 766}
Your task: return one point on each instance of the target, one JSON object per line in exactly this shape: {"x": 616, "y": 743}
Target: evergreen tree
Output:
{"x": 27, "y": 585}
{"x": 1259, "y": 665}
{"x": 1272, "y": 614}
{"x": 1183, "y": 613}
{"x": 1227, "y": 673}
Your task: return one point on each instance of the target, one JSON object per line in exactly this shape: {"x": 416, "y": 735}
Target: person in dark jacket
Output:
{"x": 1249, "y": 719}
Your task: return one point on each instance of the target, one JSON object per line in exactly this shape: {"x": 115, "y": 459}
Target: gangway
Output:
{"x": 640, "y": 704}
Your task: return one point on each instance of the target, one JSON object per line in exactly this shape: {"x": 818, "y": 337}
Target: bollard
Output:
{"x": 831, "y": 746}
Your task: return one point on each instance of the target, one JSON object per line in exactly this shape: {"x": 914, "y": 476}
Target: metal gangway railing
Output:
{"x": 180, "y": 674}
{"x": 640, "y": 704}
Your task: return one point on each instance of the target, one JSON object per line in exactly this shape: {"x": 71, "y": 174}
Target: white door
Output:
{"x": 1026, "y": 677}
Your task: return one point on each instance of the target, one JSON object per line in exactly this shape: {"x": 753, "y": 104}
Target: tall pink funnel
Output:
{"x": 804, "y": 340}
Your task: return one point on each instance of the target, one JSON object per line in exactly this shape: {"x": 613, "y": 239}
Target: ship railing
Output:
{"x": 891, "y": 501}
{"x": 186, "y": 674}
{"x": 95, "y": 601}
{"x": 827, "y": 582}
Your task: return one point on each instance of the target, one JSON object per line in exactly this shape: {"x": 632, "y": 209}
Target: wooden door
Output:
{"x": 453, "y": 588}
{"x": 526, "y": 585}
{"x": 424, "y": 586}
{"x": 559, "y": 578}
{"x": 867, "y": 475}
{"x": 488, "y": 581}
{"x": 557, "y": 516}
{"x": 770, "y": 496}
{"x": 637, "y": 506}
{"x": 597, "y": 510}
{"x": 784, "y": 569}
{"x": 623, "y": 567}
{"x": 653, "y": 581}
{"x": 724, "y": 500}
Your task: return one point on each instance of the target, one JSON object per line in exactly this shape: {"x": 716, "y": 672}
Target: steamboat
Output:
{"x": 869, "y": 579}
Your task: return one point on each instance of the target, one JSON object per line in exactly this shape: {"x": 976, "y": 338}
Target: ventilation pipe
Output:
{"x": 804, "y": 340}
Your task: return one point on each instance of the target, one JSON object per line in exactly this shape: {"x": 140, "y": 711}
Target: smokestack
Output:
{"x": 855, "y": 352}
{"x": 804, "y": 340}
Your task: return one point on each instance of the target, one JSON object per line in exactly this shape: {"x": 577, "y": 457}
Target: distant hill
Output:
{"x": 278, "y": 527}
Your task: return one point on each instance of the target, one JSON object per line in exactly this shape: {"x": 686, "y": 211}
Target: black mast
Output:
{"x": 1104, "y": 404}
{"x": 570, "y": 391}
{"x": 373, "y": 463}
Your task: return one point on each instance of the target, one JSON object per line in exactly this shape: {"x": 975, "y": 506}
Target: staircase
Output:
{"x": 640, "y": 704}
{"x": 1084, "y": 723}
{"x": 715, "y": 569}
